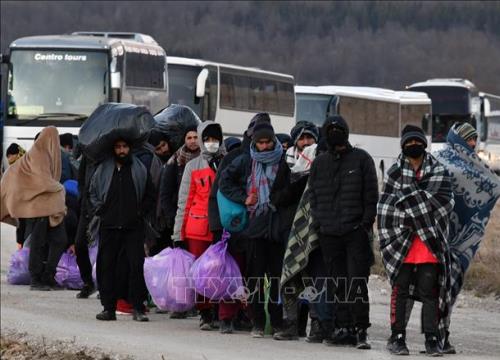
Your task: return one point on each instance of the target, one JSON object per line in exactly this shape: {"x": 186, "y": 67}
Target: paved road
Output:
{"x": 60, "y": 316}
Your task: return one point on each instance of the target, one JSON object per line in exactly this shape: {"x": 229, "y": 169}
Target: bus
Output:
{"x": 452, "y": 100}
{"x": 231, "y": 95}
{"x": 375, "y": 116}
{"x": 60, "y": 80}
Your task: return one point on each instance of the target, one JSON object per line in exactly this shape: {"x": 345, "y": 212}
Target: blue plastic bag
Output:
{"x": 68, "y": 273}
{"x": 167, "y": 279}
{"x": 216, "y": 274}
{"x": 233, "y": 216}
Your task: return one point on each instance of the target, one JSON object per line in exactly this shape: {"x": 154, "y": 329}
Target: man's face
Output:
{"x": 68, "y": 148}
{"x": 472, "y": 142}
{"x": 304, "y": 141}
{"x": 264, "y": 144}
{"x": 191, "y": 141}
{"x": 162, "y": 149}
{"x": 122, "y": 149}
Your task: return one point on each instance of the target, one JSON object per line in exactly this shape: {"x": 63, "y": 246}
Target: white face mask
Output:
{"x": 211, "y": 147}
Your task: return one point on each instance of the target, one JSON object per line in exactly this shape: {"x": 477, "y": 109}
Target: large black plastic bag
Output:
{"x": 113, "y": 121}
{"x": 174, "y": 120}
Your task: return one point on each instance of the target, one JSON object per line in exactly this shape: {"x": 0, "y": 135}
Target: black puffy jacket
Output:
{"x": 344, "y": 191}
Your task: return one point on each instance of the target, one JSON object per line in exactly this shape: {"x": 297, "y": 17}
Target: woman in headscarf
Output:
{"x": 30, "y": 190}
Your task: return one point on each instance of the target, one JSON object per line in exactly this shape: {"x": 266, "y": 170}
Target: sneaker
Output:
{"x": 447, "y": 347}
{"x": 106, "y": 315}
{"x": 316, "y": 333}
{"x": 397, "y": 345}
{"x": 257, "y": 332}
{"x": 431, "y": 346}
{"x": 140, "y": 316}
{"x": 342, "y": 337}
{"x": 178, "y": 315}
{"x": 206, "y": 320}
{"x": 39, "y": 286}
{"x": 363, "y": 343}
{"x": 226, "y": 326}
{"x": 87, "y": 290}
{"x": 288, "y": 332}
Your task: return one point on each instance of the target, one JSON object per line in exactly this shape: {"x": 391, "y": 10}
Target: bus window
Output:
{"x": 256, "y": 99}
{"x": 144, "y": 70}
{"x": 57, "y": 81}
{"x": 271, "y": 96}
{"x": 241, "y": 88}
{"x": 227, "y": 97}
{"x": 313, "y": 108}
{"x": 286, "y": 98}
{"x": 182, "y": 86}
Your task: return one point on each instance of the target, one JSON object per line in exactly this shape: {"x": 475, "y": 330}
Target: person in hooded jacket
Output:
{"x": 344, "y": 194}
{"x": 191, "y": 229}
{"x": 260, "y": 179}
{"x": 229, "y": 312}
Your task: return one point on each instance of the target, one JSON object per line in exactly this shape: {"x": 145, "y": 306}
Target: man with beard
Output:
{"x": 344, "y": 194}
{"x": 121, "y": 191}
{"x": 304, "y": 134}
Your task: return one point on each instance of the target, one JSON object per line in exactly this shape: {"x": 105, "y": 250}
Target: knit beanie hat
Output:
{"x": 466, "y": 131}
{"x": 213, "y": 131}
{"x": 412, "y": 132}
{"x": 66, "y": 140}
{"x": 260, "y": 117}
{"x": 262, "y": 130}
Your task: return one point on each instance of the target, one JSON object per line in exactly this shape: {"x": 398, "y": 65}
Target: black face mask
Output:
{"x": 123, "y": 160}
{"x": 336, "y": 138}
{"x": 414, "y": 151}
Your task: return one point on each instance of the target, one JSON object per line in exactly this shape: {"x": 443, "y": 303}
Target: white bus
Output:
{"x": 231, "y": 95}
{"x": 375, "y": 116}
{"x": 60, "y": 79}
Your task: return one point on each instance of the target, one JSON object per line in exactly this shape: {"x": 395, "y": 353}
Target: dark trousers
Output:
{"x": 320, "y": 308}
{"x": 425, "y": 279}
{"x": 47, "y": 246}
{"x": 112, "y": 243}
{"x": 82, "y": 249}
{"x": 265, "y": 258}
{"x": 348, "y": 260}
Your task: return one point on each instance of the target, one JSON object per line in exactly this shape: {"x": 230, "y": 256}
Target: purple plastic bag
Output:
{"x": 216, "y": 274}
{"x": 68, "y": 273}
{"x": 168, "y": 281}
{"x": 19, "y": 273}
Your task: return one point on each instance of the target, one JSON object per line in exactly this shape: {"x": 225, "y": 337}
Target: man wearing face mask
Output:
{"x": 191, "y": 229}
{"x": 344, "y": 194}
{"x": 121, "y": 193}
{"x": 413, "y": 218}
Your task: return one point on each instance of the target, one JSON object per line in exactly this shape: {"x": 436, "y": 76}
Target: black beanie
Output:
{"x": 188, "y": 129}
{"x": 66, "y": 140}
{"x": 260, "y": 117}
{"x": 13, "y": 149}
{"x": 337, "y": 122}
{"x": 412, "y": 132}
{"x": 155, "y": 137}
{"x": 214, "y": 131}
{"x": 262, "y": 130}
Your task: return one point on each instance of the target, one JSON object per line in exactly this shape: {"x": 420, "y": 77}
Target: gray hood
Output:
{"x": 201, "y": 129}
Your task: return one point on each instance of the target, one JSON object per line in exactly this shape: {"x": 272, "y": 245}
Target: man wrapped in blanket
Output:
{"x": 413, "y": 220}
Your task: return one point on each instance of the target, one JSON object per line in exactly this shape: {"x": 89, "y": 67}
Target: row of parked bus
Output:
{"x": 59, "y": 80}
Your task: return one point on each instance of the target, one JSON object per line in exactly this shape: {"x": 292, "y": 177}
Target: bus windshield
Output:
{"x": 447, "y": 100}
{"x": 313, "y": 107}
{"x": 182, "y": 86}
{"x": 56, "y": 82}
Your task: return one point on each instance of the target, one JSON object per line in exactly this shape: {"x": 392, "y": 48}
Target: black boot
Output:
{"x": 363, "y": 343}
{"x": 447, "y": 347}
{"x": 140, "y": 316}
{"x": 342, "y": 337}
{"x": 38, "y": 285}
{"x": 106, "y": 315}
{"x": 87, "y": 290}
{"x": 397, "y": 344}
{"x": 431, "y": 345}
{"x": 288, "y": 332}
{"x": 316, "y": 334}
{"x": 206, "y": 319}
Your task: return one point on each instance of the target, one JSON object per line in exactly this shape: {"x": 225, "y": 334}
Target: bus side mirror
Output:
{"x": 116, "y": 80}
{"x": 201, "y": 83}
